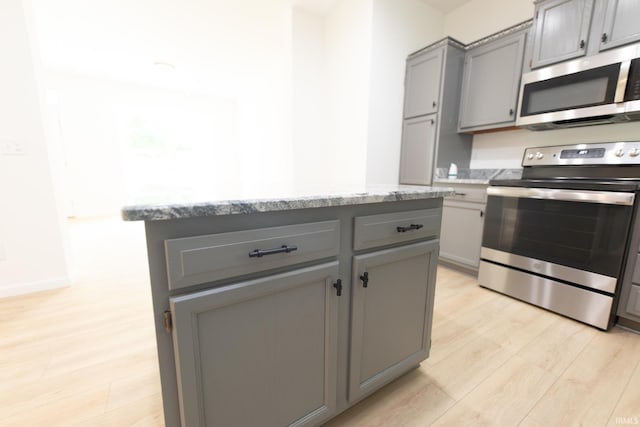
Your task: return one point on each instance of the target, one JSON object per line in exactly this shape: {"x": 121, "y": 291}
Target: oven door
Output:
{"x": 576, "y": 236}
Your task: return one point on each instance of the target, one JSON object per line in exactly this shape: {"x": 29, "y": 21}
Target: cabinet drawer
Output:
{"x": 201, "y": 259}
{"x": 378, "y": 230}
{"x": 633, "y": 306}
{"x": 469, "y": 194}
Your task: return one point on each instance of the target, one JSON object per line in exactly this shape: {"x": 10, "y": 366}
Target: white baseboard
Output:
{"x": 30, "y": 287}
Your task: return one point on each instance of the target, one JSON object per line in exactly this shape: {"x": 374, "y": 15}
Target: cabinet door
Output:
{"x": 422, "y": 84}
{"x": 391, "y": 317}
{"x": 620, "y": 23}
{"x": 461, "y": 235}
{"x": 561, "y": 30}
{"x": 258, "y": 353}
{"x": 418, "y": 146}
{"x": 633, "y": 304}
{"x": 491, "y": 83}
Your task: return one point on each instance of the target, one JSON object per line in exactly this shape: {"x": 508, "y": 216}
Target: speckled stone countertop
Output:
{"x": 475, "y": 176}
{"x": 175, "y": 208}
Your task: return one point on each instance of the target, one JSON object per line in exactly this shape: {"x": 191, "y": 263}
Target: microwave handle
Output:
{"x": 622, "y": 81}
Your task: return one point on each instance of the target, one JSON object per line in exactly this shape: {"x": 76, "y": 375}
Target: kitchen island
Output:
{"x": 287, "y": 309}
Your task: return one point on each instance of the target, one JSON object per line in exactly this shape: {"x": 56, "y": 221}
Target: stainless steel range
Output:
{"x": 559, "y": 237}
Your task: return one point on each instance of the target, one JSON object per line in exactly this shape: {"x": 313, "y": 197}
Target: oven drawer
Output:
{"x": 201, "y": 259}
{"x": 386, "y": 229}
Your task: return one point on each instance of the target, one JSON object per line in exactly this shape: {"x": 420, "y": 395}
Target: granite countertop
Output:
{"x": 476, "y": 176}
{"x": 168, "y": 207}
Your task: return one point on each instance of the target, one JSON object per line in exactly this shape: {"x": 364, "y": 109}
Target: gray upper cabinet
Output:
{"x": 430, "y": 137}
{"x": 620, "y": 23}
{"x": 392, "y": 309}
{"x": 418, "y": 149}
{"x": 422, "y": 84}
{"x": 260, "y": 352}
{"x": 491, "y": 83}
{"x": 561, "y": 30}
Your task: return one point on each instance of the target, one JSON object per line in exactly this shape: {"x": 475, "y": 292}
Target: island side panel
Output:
{"x": 158, "y": 231}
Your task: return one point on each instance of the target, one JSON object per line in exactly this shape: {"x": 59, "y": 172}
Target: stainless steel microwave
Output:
{"x": 603, "y": 88}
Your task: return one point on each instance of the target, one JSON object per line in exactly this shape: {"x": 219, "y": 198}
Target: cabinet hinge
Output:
{"x": 168, "y": 324}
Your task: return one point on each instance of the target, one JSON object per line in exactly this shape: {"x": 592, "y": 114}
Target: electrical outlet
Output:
{"x": 12, "y": 147}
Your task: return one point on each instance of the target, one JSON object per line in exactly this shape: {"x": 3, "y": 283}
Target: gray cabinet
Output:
{"x": 491, "y": 82}
{"x": 561, "y": 30}
{"x": 462, "y": 226}
{"x": 423, "y": 78}
{"x": 392, "y": 308}
{"x": 620, "y": 23}
{"x": 431, "y": 104}
{"x": 245, "y": 339}
{"x": 260, "y": 352}
{"x": 418, "y": 150}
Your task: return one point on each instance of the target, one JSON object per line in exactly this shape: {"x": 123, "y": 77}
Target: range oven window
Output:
{"x": 586, "y": 236}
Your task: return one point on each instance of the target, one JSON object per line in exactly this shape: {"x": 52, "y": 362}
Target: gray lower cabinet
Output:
{"x": 392, "y": 308}
{"x": 561, "y": 30}
{"x": 260, "y": 352}
{"x": 462, "y": 226}
{"x": 418, "y": 149}
{"x": 620, "y": 23}
{"x": 491, "y": 82}
{"x": 253, "y": 312}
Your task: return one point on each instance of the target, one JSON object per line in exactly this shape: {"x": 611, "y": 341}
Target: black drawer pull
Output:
{"x": 284, "y": 249}
{"x": 411, "y": 227}
{"x": 459, "y": 194}
{"x": 338, "y": 286}
{"x": 365, "y": 279}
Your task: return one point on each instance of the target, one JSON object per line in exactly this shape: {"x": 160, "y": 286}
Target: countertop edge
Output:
{"x": 237, "y": 207}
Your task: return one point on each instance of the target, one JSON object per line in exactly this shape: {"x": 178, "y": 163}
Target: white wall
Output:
{"x": 32, "y": 241}
{"x": 100, "y": 56}
{"x": 399, "y": 28}
{"x": 312, "y": 149}
{"x": 480, "y": 18}
{"x": 348, "y": 47}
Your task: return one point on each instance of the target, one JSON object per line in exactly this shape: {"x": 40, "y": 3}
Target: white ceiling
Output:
{"x": 321, "y": 7}
{"x": 445, "y": 6}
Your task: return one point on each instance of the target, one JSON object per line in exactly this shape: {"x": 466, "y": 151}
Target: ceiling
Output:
{"x": 445, "y": 6}
{"x": 321, "y": 7}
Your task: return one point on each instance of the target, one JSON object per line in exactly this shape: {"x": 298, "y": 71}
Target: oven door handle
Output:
{"x": 586, "y": 196}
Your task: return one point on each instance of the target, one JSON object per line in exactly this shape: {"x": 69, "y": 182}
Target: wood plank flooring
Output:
{"x": 85, "y": 355}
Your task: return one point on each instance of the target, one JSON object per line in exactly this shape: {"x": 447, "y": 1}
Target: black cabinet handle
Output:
{"x": 581, "y": 44}
{"x": 284, "y": 249}
{"x": 511, "y": 111}
{"x": 338, "y": 286}
{"x": 459, "y": 194}
{"x": 434, "y": 104}
{"x": 604, "y": 37}
{"x": 411, "y": 227}
{"x": 481, "y": 214}
{"x": 365, "y": 279}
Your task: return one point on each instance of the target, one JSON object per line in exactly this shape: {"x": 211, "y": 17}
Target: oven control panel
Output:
{"x": 606, "y": 153}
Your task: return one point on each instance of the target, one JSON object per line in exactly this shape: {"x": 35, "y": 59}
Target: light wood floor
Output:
{"x": 85, "y": 355}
